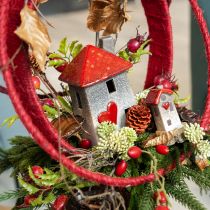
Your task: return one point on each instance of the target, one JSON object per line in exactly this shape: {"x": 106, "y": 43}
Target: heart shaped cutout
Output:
{"x": 110, "y": 115}
{"x": 166, "y": 105}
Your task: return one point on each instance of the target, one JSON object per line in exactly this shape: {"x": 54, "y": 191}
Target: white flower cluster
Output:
{"x": 141, "y": 95}
{"x": 115, "y": 142}
{"x": 203, "y": 148}
{"x": 194, "y": 133}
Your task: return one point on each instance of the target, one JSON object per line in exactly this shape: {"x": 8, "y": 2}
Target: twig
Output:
{"x": 3, "y": 90}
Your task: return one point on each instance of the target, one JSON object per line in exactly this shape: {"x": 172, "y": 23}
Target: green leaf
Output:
{"x": 65, "y": 105}
{"x": 72, "y": 45}
{"x": 63, "y": 46}
{"x": 50, "y": 176}
{"x": 56, "y": 63}
{"x": 10, "y": 121}
{"x": 50, "y": 197}
{"x": 124, "y": 54}
{"x": 51, "y": 112}
{"x": 76, "y": 50}
{"x": 55, "y": 55}
{"x": 43, "y": 182}
{"x": 38, "y": 201}
{"x": 178, "y": 100}
{"x": 28, "y": 187}
{"x": 144, "y": 44}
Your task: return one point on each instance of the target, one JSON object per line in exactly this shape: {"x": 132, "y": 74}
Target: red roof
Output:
{"x": 153, "y": 97}
{"x": 93, "y": 65}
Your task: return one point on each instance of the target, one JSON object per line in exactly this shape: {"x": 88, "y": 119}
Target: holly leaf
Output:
{"x": 38, "y": 201}
{"x": 63, "y": 48}
{"x": 76, "y": 50}
{"x": 50, "y": 197}
{"x": 28, "y": 187}
{"x": 34, "y": 32}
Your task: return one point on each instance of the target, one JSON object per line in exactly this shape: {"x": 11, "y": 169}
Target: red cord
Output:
{"x": 25, "y": 100}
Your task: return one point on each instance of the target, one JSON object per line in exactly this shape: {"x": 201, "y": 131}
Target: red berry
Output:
{"x": 134, "y": 152}
{"x": 158, "y": 79}
{"x": 60, "y": 202}
{"x": 162, "y": 149}
{"x": 161, "y": 195}
{"x": 121, "y": 168}
{"x": 36, "y": 82}
{"x": 162, "y": 208}
{"x": 37, "y": 170}
{"x": 61, "y": 68}
{"x": 133, "y": 45}
{"x": 85, "y": 143}
{"x": 166, "y": 84}
{"x": 28, "y": 199}
{"x": 48, "y": 102}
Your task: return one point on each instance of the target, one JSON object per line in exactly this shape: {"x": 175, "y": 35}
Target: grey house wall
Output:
{"x": 95, "y": 99}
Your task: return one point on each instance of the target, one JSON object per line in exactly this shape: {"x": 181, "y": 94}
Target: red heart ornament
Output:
{"x": 109, "y": 115}
{"x": 166, "y": 105}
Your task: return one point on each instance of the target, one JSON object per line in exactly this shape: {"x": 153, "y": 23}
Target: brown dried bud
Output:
{"x": 188, "y": 115}
{"x": 139, "y": 118}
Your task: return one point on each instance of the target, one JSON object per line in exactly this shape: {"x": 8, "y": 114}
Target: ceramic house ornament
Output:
{"x": 99, "y": 88}
{"x": 163, "y": 109}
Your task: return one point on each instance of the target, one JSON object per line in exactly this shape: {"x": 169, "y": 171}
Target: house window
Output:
{"x": 169, "y": 122}
{"x": 111, "y": 86}
{"x": 79, "y": 100}
{"x": 163, "y": 97}
{"x": 126, "y": 110}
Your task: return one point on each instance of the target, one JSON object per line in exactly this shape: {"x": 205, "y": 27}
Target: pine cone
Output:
{"x": 138, "y": 117}
{"x": 188, "y": 115}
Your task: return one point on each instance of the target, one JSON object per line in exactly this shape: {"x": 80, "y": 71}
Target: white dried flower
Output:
{"x": 193, "y": 132}
{"x": 118, "y": 142}
{"x": 141, "y": 95}
{"x": 203, "y": 148}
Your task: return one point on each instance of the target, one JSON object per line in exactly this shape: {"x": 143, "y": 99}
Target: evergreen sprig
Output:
{"x": 13, "y": 194}
{"x": 146, "y": 200}
{"x": 178, "y": 189}
{"x": 23, "y": 153}
{"x": 197, "y": 177}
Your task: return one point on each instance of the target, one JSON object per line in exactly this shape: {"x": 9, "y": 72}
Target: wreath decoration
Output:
{"x": 114, "y": 146}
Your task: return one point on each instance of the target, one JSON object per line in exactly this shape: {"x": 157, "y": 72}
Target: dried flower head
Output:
{"x": 142, "y": 95}
{"x": 115, "y": 142}
{"x": 193, "y": 132}
{"x": 203, "y": 148}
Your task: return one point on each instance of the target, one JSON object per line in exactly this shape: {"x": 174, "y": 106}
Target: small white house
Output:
{"x": 99, "y": 88}
{"x": 163, "y": 109}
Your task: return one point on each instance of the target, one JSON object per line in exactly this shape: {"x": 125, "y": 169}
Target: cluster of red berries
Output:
{"x": 134, "y": 153}
{"x": 166, "y": 81}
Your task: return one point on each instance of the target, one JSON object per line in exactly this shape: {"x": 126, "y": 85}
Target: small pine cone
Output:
{"x": 188, "y": 115}
{"x": 139, "y": 118}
